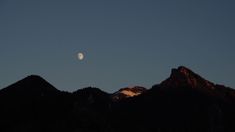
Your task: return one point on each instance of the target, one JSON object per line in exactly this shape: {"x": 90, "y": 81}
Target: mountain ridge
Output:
{"x": 184, "y": 102}
{"x": 181, "y": 75}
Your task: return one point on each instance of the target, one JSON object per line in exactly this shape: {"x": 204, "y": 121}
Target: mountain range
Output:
{"x": 184, "y": 102}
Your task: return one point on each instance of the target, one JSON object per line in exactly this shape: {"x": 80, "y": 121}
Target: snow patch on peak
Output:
{"x": 130, "y": 93}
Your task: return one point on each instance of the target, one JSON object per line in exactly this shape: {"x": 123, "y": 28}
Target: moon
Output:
{"x": 80, "y": 56}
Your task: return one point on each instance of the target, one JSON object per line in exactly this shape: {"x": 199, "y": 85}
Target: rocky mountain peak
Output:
{"x": 184, "y": 77}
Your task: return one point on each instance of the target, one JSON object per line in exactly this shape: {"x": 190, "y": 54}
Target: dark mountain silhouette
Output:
{"x": 30, "y": 86}
{"x": 184, "y": 102}
{"x": 32, "y": 104}
{"x": 90, "y": 110}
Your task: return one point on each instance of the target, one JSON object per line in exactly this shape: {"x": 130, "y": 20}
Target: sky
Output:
{"x": 125, "y": 42}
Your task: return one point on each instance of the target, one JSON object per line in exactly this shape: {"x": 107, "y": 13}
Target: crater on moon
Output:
{"x": 80, "y": 56}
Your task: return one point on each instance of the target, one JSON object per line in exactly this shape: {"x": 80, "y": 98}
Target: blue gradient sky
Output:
{"x": 125, "y": 42}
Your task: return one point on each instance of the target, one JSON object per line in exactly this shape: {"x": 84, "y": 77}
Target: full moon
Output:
{"x": 80, "y": 56}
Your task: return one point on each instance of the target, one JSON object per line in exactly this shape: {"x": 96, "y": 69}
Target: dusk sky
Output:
{"x": 125, "y": 42}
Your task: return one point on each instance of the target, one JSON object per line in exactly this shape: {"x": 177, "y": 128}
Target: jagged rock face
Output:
{"x": 184, "y": 77}
{"x": 128, "y": 92}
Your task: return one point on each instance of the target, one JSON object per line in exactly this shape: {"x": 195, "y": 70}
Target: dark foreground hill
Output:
{"x": 185, "y": 102}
